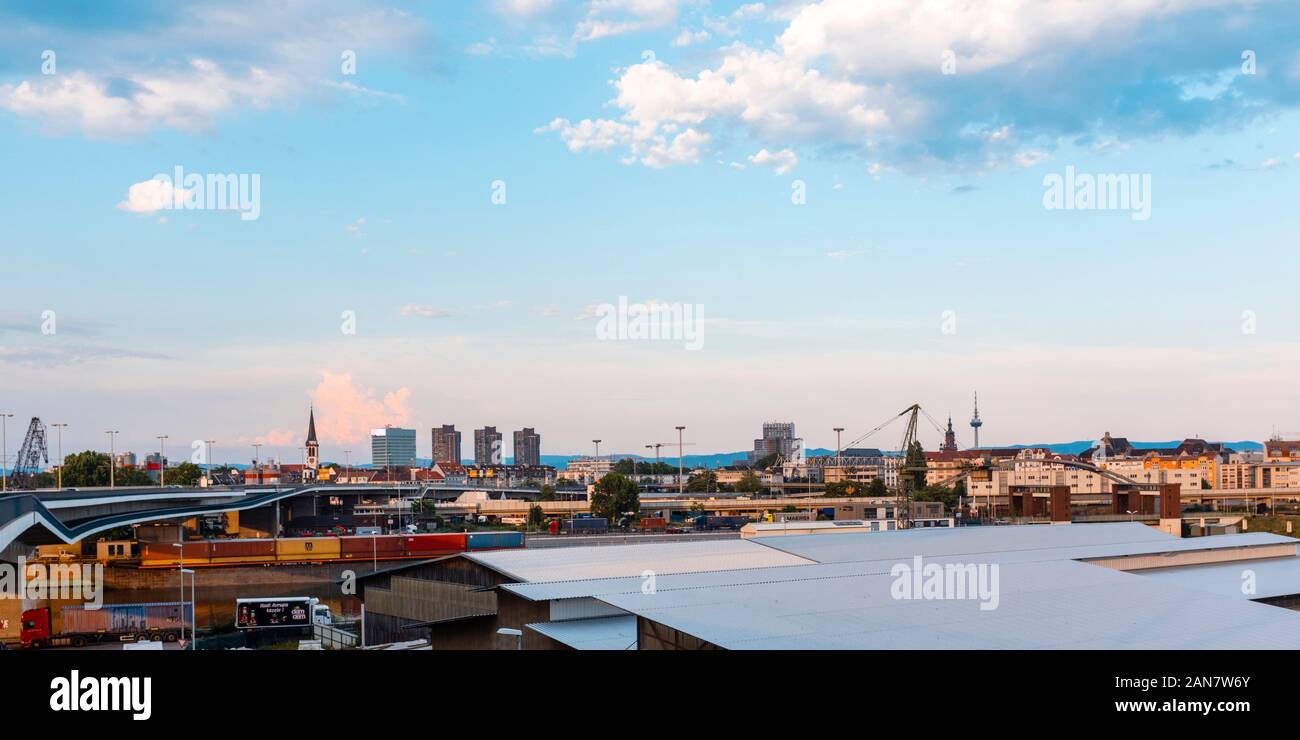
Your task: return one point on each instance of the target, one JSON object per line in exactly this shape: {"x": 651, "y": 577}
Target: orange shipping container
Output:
{"x": 307, "y": 548}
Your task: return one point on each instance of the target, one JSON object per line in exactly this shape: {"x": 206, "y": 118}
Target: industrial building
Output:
{"x": 1113, "y": 585}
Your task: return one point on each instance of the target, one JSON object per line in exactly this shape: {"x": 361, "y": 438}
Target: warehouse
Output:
{"x": 1063, "y": 586}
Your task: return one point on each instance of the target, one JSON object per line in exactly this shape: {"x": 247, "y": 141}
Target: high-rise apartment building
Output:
{"x": 528, "y": 447}
{"x": 487, "y": 447}
{"x": 446, "y": 444}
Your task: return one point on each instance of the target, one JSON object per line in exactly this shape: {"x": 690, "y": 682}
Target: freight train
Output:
{"x": 206, "y": 553}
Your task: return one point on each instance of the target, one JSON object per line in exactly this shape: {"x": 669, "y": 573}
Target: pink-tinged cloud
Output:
{"x": 279, "y": 438}
{"x": 346, "y": 413}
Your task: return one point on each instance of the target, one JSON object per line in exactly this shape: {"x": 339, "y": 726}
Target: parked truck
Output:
{"x": 586, "y": 525}
{"x": 81, "y": 626}
{"x": 720, "y": 522}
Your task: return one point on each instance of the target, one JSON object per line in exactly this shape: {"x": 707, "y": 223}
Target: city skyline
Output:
{"x": 440, "y": 224}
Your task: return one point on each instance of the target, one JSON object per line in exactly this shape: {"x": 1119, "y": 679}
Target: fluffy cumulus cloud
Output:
{"x": 188, "y": 64}
{"x": 152, "y": 195}
{"x": 345, "y": 413}
{"x": 781, "y": 162}
{"x": 979, "y": 84}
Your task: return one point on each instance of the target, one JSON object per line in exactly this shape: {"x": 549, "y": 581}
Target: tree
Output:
{"x": 130, "y": 477}
{"x": 913, "y": 477}
{"x": 877, "y": 489}
{"x": 704, "y": 481}
{"x": 749, "y": 483}
{"x": 945, "y": 494}
{"x": 185, "y": 474}
{"x": 615, "y": 495}
{"x": 546, "y": 492}
{"x": 535, "y": 517}
{"x": 86, "y": 469}
{"x": 845, "y": 488}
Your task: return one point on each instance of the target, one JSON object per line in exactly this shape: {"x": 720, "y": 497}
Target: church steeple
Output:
{"x": 949, "y": 438}
{"x": 313, "y": 447}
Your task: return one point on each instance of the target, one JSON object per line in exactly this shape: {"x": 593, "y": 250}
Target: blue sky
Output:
{"x": 924, "y": 196}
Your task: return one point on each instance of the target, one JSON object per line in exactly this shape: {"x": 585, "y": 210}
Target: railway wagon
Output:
{"x": 302, "y": 549}
{"x": 322, "y": 549}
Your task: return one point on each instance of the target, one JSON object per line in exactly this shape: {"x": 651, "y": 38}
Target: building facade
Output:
{"x": 487, "y": 447}
{"x": 392, "y": 447}
{"x": 446, "y": 444}
{"x": 528, "y": 447}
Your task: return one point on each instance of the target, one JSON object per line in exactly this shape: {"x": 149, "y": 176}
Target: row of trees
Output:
{"x": 90, "y": 468}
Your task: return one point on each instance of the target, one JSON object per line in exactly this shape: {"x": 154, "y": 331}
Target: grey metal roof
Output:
{"x": 602, "y": 633}
{"x": 1024, "y": 542}
{"x": 1049, "y": 604}
{"x": 902, "y": 549}
{"x": 559, "y": 564}
{"x": 1271, "y": 577}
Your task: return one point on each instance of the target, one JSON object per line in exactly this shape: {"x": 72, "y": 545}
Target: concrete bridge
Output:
{"x": 45, "y": 516}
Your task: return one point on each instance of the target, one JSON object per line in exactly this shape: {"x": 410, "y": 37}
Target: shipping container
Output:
{"x": 123, "y": 618}
{"x": 242, "y": 551}
{"x": 360, "y": 548}
{"x": 495, "y": 540}
{"x": 586, "y": 524}
{"x": 165, "y": 554}
{"x": 720, "y": 522}
{"x": 654, "y": 523}
{"x": 435, "y": 544}
{"x": 307, "y": 548}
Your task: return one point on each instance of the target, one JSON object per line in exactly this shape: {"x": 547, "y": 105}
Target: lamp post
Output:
{"x": 112, "y": 457}
{"x": 211, "y": 464}
{"x": 837, "y": 445}
{"x": 180, "y": 569}
{"x": 4, "y": 453}
{"x": 60, "y": 427}
{"x": 194, "y": 627}
{"x": 680, "y": 458}
{"x": 162, "y": 461}
{"x": 596, "y": 468}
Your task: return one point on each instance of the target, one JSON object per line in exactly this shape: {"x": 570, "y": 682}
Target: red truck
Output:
{"x": 109, "y": 623}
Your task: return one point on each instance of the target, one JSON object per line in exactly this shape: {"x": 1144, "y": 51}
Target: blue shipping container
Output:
{"x": 494, "y": 540}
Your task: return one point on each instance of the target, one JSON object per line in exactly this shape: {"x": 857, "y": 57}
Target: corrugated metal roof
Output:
{"x": 560, "y": 564}
{"x": 1026, "y": 542}
{"x": 604, "y": 633}
{"x": 1269, "y": 577}
{"x": 853, "y": 552}
{"x": 1050, "y": 604}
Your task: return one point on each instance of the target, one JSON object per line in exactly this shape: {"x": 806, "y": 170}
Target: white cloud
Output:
{"x": 781, "y": 162}
{"x": 188, "y": 99}
{"x": 688, "y": 37}
{"x": 427, "y": 311}
{"x": 616, "y": 17}
{"x": 254, "y": 56}
{"x": 152, "y": 195}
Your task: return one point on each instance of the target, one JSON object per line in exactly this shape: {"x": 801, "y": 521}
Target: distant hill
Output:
{"x": 723, "y": 459}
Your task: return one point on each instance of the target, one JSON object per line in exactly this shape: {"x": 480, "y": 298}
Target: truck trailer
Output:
{"x": 81, "y": 626}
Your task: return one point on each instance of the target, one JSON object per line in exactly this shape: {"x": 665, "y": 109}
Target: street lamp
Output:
{"x": 194, "y": 627}
{"x": 209, "y": 443}
{"x": 112, "y": 457}
{"x": 4, "y": 454}
{"x": 680, "y": 483}
{"x": 162, "y": 461}
{"x": 60, "y": 428}
{"x": 837, "y": 445}
{"x": 596, "y": 468}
